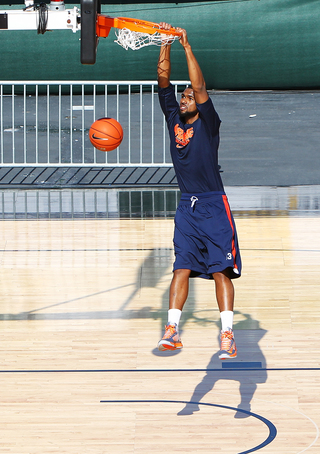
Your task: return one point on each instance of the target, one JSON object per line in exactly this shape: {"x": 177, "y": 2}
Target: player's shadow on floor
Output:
{"x": 249, "y": 351}
{"x": 247, "y": 334}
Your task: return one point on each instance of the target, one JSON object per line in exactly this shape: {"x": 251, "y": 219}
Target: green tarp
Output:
{"x": 244, "y": 44}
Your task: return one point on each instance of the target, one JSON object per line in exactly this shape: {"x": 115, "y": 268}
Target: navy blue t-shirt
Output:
{"x": 194, "y": 147}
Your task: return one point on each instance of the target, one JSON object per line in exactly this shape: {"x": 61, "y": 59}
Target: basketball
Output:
{"x": 106, "y": 134}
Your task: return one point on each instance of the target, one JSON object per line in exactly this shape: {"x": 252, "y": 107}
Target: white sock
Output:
{"x": 226, "y": 320}
{"x": 174, "y": 316}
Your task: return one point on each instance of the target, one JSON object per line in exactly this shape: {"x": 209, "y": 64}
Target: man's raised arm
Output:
{"x": 195, "y": 74}
{"x": 164, "y": 63}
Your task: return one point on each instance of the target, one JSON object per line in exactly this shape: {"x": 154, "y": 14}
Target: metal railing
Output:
{"x": 46, "y": 123}
{"x": 246, "y": 201}
{"x": 95, "y": 203}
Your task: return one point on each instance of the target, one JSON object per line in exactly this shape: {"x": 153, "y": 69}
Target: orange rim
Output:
{"x": 104, "y": 24}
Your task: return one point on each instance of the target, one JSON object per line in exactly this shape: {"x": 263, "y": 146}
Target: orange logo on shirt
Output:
{"x": 182, "y": 137}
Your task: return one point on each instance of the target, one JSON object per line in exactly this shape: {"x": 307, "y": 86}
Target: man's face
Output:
{"x": 188, "y": 106}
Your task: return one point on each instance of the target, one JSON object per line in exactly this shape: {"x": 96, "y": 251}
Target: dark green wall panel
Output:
{"x": 266, "y": 44}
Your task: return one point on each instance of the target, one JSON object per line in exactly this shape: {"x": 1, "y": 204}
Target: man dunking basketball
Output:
{"x": 205, "y": 238}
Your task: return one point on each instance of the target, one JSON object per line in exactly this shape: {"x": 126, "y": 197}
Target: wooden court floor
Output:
{"x": 83, "y": 305}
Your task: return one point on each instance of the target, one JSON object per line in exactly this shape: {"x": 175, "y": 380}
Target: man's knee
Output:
{"x": 181, "y": 274}
{"x": 222, "y": 276}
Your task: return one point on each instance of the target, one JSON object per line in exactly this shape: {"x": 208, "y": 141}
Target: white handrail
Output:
{"x": 49, "y": 127}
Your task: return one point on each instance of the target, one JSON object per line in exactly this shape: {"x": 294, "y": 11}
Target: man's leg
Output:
{"x": 225, "y": 300}
{"x": 179, "y": 289}
{"x": 224, "y": 291}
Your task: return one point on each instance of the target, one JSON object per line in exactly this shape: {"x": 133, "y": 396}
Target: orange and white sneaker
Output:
{"x": 171, "y": 339}
{"x": 228, "y": 347}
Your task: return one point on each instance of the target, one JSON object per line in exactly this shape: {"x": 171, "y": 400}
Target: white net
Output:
{"x": 129, "y": 39}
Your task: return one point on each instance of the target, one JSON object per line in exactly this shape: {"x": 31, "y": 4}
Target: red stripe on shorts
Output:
{"x": 227, "y": 207}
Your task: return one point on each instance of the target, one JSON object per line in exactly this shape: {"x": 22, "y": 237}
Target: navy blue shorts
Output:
{"x": 205, "y": 236}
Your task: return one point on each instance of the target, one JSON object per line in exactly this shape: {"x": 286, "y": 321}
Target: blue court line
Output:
{"x": 241, "y": 365}
{"x": 81, "y": 371}
{"x": 272, "y": 429}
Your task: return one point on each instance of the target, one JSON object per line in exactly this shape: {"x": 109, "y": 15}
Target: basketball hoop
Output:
{"x": 130, "y": 39}
{"x": 134, "y": 33}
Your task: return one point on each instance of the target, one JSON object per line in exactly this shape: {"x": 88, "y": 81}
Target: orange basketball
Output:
{"x": 106, "y": 134}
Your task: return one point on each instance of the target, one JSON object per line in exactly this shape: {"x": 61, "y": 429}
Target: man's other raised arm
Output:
{"x": 195, "y": 74}
{"x": 164, "y": 63}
